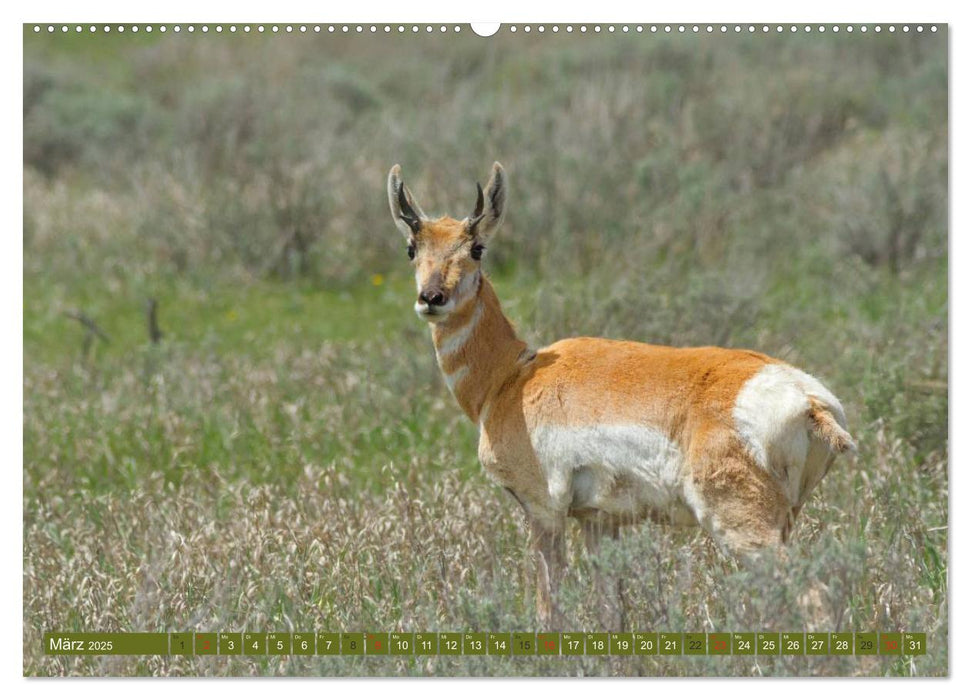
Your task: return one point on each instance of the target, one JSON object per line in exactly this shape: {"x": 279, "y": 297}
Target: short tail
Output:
{"x": 824, "y": 425}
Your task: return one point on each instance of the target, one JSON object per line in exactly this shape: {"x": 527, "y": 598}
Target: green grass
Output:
{"x": 288, "y": 456}
{"x": 255, "y": 316}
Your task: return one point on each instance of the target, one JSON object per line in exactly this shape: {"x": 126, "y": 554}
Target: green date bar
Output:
{"x": 495, "y": 644}
{"x": 105, "y": 643}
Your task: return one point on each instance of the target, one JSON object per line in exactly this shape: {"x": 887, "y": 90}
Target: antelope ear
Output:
{"x": 489, "y": 210}
{"x": 405, "y": 211}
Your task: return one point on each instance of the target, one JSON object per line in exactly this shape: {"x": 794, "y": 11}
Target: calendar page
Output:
{"x": 546, "y": 349}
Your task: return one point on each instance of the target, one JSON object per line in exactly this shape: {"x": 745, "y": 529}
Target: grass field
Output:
{"x": 287, "y": 457}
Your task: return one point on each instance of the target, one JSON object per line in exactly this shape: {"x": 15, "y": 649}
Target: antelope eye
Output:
{"x": 411, "y": 251}
{"x": 477, "y": 251}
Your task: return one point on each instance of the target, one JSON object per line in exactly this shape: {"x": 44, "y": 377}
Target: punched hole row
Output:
{"x": 513, "y": 28}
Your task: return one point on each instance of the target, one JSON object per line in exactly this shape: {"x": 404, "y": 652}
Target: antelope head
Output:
{"x": 447, "y": 252}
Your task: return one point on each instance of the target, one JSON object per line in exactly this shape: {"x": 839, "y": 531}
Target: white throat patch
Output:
{"x": 456, "y": 340}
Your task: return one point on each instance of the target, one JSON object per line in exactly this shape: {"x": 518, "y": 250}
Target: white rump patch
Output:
{"x": 771, "y": 419}
{"x": 620, "y": 469}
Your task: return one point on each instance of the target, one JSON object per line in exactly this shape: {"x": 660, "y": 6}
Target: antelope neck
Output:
{"x": 477, "y": 349}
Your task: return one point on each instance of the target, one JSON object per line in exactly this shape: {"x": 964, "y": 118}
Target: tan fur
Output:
{"x": 684, "y": 395}
{"x": 825, "y": 426}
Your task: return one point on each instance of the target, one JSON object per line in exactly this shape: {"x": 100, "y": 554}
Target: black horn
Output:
{"x": 408, "y": 214}
{"x": 479, "y": 206}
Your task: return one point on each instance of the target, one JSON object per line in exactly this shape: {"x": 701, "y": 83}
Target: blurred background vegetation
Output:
{"x": 785, "y": 193}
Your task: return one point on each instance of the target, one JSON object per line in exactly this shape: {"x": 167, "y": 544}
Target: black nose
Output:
{"x": 433, "y": 297}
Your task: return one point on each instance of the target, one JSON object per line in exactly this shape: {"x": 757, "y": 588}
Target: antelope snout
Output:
{"x": 433, "y": 296}
{"x": 433, "y": 304}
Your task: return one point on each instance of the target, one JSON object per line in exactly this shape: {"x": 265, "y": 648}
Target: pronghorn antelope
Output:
{"x": 611, "y": 432}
